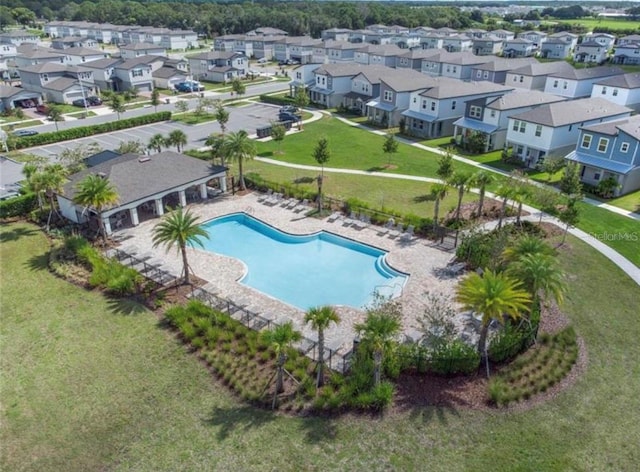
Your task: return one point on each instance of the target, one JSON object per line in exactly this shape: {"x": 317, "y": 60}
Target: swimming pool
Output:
{"x": 303, "y": 271}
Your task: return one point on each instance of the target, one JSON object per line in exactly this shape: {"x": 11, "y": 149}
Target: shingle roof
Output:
{"x": 51, "y": 67}
{"x": 140, "y": 46}
{"x": 381, "y": 49}
{"x": 573, "y": 111}
{"x": 132, "y": 64}
{"x": 520, "y": 98}
{"x": 632, "y": 127}
{"x": 450, "y": 88}
{"x": 102, "y": 63}
{"x": 623, "y": 81}
{"x": 340, "y": 69}
{"x": 499, "y": 64}
{"x": 167, "y": 72}
{"x": 61, "y": 84}
{"x": 82, "y": 51}
{"x": 137, "y": 178}
{"x": 214, "y": 55}
{"x": 546, "y": 68}
{"x": 9, "y": 91}
{"x": 588, "y": 73}
{"x": 407, "y": 80}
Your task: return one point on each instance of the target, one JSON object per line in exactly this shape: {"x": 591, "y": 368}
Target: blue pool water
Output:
{"x": 304, "y": 271}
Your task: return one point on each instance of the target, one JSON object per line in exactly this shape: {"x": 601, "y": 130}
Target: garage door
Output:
{"x": 71, "y": 96}
{"x": 144, "y": 87}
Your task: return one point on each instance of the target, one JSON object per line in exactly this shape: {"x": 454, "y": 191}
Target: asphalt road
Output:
{"x": 247, "y": 117}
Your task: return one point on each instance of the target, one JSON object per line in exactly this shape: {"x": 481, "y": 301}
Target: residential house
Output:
{"x": 301, "y": 49}
{"x": 80, "y": 55}
{"x": 179, "y": 40}
{"x": 629, "y": 39}
{"x": 17, "y": 97}
{"x": 457, "y": 43}
{"x": 395, "y": 95}
{"x": 627, "y": 54}
{"x": 7, "y": 53}
{"x": 476, "y": 33}
{"x": 497, "y": 68}
{"x": 302, "y": 77}
{"x": 18, "y": 37}
{"x": 534, "y": 76}
{"x": 267, "y": 31}
{"x": 218, "y": 66}
{"x": 405, "y": 41}
{"x": 59, "y": 83}
{"x": 30, "y": 54}
{"x": 412, "y": 59}
{"x": 365, "y": 87}
{"x": 536, "y": 37}
{"x": 335, "y": 34}
{"x": 226, "y": 42}
{"x": 565, "y": 36}
{"x": 503, "y": 34}
{"x": 133, "y": 50}
{"x": 371, "y": 54}
{"x": 73, "y": 42}
{"x": 332, "y": 82}
{"x": 104, "y": 73}
{"x": 519, "y": 47}
{"x": 337, "y": 51}
{"x": 490, "y": 115}
{"x": 554, "y": 129}
{"x": 433, "y": 111}
{"x": 620, "y": 89}
{"x": 610, "y": 150}
{"x": 578, "y": 83}
{"x": 603, "y": 39}
{"x": 264, "y": 46}
{"x": 487, "y": 45}
{"x": 591, "y": 51}
{"x": 446, "y": 31}
{"x": 553, "y": 48}
{"x": 432, "y": 41}
{"x": 458, "y": 65}
{"x": 134, "y": 74}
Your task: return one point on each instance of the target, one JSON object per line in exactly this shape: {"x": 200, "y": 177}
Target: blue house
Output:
{"x": 610, "y": 149}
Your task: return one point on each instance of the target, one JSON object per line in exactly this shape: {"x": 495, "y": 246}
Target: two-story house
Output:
{"x": 263, "y": 46}
{"x": 457, "y": 43}
{"x": 536, "y": 37}
{"x": 503, "y": 34}
{"x": 395, "y": 96}
{"x": 610, "y": 150}
{"x": 170, "y": 73}
{"x": 18, "y": 37}
{"x": 603, "y": 39}
{"x": 459, "y": 65}
{"x": 591, "y": 52}
{"x": 59, "y": 83}
{"x": 620, "y": 89}
{"x": 332, "y": 82}
{"x": 555, "y": 48}
{"x": 432, "y": 41}
{"x": 104, "y": 72}
{"x": 7, "y": 53}
{"x": 179, "y": 39}
{"x": 74, "y": 42}
{"x": 225, "y": 42}
{"x": 519, "y": 47}
{"x": 384, "y": 55}
{"x": 136, "y": 74}
{"x": 490, "y": 115}
{"x": 337, "y": 51}
{"x": 565, "y": 36}
{"x": 335, "y": 34}
{"x": 218, "y": 66}
{"x": 80, "y": 55}
{"x": 487, "y": 46}
{"x": 412, "y": 59}
{"x": 534, "y": 76}
{"x": 301, "y": 49}
{"x": 628, "y": 39}
{"x": 553, "y": 129}
{"x": 578, "y": 83}
{"x": 628, "y": 54}
{"x": 133, "y": 50}
{"x": 365, "y": 87}
{"x": 30, "y": 55}
{"x": 302, "y": 77}
{"x": 497, "y": 68}
{"x": 433, "y": 111}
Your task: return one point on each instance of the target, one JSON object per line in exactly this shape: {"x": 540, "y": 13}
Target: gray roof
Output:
{"x": 629, "y": 81}
{"x": 38, "y": 53}
{"x": 500, "y": 64}
{"x": 463, "y": 58}
{"x": 99, "y": 158}
{"x": 588, "y": 73}
{"x": 215, "y": 55}
{"x": 632, "y": 127}
{"x": 573, "y": 111}
{"x": 82, "y": 51}
{"x": 9, "y": 91}
{"x": 348, "y": 69}
{"x": 341, "y": 45}
{"x": 102, "y": 63}
{"x": 132, "y": 63}
{"x": 518, "y": 40}
{"x": 18, "y": 34}
{"x": 408, "y": 80}
{"x": 137, "y": 178}
{"x": 167, "y": 72}
{"x": 544, "y": 68}
{"x": 445, "y": 87}
{"x": 590, "y": 44}
{"x": 50, "y": 67}
{"x": 61, "y": 84}
{"x": 520, "y": 98}
{"x": 10, "y": 176}
{"x": 140, "y": 46}
{"x": 382, "y": 49}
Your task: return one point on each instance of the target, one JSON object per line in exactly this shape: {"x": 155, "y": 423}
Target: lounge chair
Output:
{"x": 351, "y": 219}
{"x": 388, "y": 226}
{"x": 396, "y": 231}
{"x": 360, "y": 222}
{"x": 274, "y": 199}
{"x": 303, "y": 205}
{"x": 334, "y": 216}
{"x": 292, "y": 204}
{"x": 265, "y": 196}
{"x": 408, "y": 234}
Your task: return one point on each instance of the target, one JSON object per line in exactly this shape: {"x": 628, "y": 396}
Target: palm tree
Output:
{"x": 438, "y": 192}
{"x": 461, "y": 181}
{"x": 53, "y": 179}
{"x": 178, "y": 138}
{"x": 180, "y": 228}
{"x": 505, "y": 191}
{"x": 377, "y": 331}
{"x": 540, "y": 273}
{"x": 481, "y": 179}
{"x": 216, "y": 143}
{"x": 320, "y": 319}
{"x": 96, "y": 193}
{"x": 493, "y": 295}
{"x": 156, "y": 142}
{"x": 280, "y": 338}
{"x": 321, "y": 154}
{"x": 526, "y": 245}
{"x": 238, "y": 146}
{"x": 55, "y": 115}
{"x": 520, "y": 193}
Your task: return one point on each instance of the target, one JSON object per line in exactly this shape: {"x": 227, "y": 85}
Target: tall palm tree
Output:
{"x": 493, "y": 295}
{"x": 55, "y": 115}
{"x": 481, "y": 179}
{"x": 525, "y": 245}
{"x": 237, "y": 146}
{"x": 520, "y": 193}
{"x": 179, "y": 227}
{"x": 54, "y": 177}
{"x": 505, "y": 191}
{"x": 439, "y": 193}
{"x": 540, "y": 274}
{"x": 216, "y": 144}
{"x": 460, "y": 180}
{"x": 280, "y": 338}
{"x": 320, "y": 318}
{"x": 377, "y": 331}
{"x": 178, "y": 139}
{"x": 156, "y": 142}
{"x": 96, "y": 193}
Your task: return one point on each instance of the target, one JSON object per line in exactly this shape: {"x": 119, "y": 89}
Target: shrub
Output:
{"x": 453, "y": 358}
{"x": 21, "y": 205}
{"x": 509, "y": 342}
{"x": 277, "y": 100}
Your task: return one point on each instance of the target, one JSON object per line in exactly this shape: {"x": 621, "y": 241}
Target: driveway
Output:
{"x": 247, "y": 117}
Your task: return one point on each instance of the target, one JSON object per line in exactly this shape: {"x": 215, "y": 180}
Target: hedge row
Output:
{"x": 277, "y": 100}
{"x": 18, "y": 206}
{"x": 84, "y": 131}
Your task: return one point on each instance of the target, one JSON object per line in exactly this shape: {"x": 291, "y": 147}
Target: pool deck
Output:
{"x": 417, "y": 257}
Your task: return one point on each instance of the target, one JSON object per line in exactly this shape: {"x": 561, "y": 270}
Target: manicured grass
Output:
{"x": 95, "y": 384}
{"x": 612, "y": 23}
{"x": 629, "y": 202}
{"x": 191, "y": 118}
{"x": 21, "y": 124}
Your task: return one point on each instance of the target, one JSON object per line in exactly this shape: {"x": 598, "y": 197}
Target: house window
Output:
{"x": 433, "y": 106}
{"x": 475, "y": 112}
{"x": 604, "y": 91}
{"x": 45, "y": 77}
{"x": 493, "y": 113}
{"x": 523, "y": 127}
{"x": 586, "y": 141}
{"x": 388, "y": 96}
{"x": 486, "y": 74}
{"x": 516, "y": 125}
{"x": 538, "y": 130}
{"x": 521, "y": 78}
{"x": 615, "y": 92}
{"x": 453, "y": 105}
{"x": 424, "y": 104}
{"x": 596, "y": 176}
{"x": 555, "y": 84}
{"x": 565, "y": 84}
{"x": 415, "y": 99}
{"x": 624, "y": 147}
{"x": 136, "y": 73}
{"x": 455, "y": 69}
{"x": 602, "y": 144}
{"x": 479, "y": 74}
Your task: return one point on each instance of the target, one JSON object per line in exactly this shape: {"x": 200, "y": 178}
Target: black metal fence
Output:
{"x": 149, "y": 270}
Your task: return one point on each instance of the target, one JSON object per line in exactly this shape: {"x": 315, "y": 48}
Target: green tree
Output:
{"x": 117, "y": 105}
{"x": 55, "y": 115}
{"x": 438, "y": 192}
{"x": 222, "y": 117}
{"x": 520, "y": 192}
{"x": 481, "y": 179}
{"x": 130, "y": 147}
{"x": 569, "y": 215}
{"x": 23, "y": 16}
{"x": 540, "y": 275}
{"x": 461, "y": 181}
{"x": 73, "y": 158}
{"x": 96, "y": 193}
{"x": 155, "y": 98}
{"x": 179, "y": 228}
{"x": 53, "y": 178}
{"x": 505, "y": 191}
{"x": 301, "y": 100}
{"x": 570, "y": 183}
{"x": 477, "y": 142}
{"x": 321, "y": 154}
{"x": 526, "y": 245}
{"x": 320, "y": 319}
{"x": 377, "y": 331}
{"x": 493, "y": 296}
{"x": 157, "y": 142}
{"x": 551, "y": 166}
{"x": 238, "y": 147}
{"x": 278, "y": 132}
{"x": 608, "y": 186}
{"x": 178, "y": 138}
{"x": 238, "y": 87}
{"x": 390, "y": 147}
{"x": 182, "y": 106}
{"x": 280, "y": 339}
{"x": 216, "y": 147}
{"x": 445, "y": 165}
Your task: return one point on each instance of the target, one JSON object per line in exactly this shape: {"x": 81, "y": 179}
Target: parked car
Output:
{"x": 190, "y": 87}
{"x": 263, "y": 60}
{"x": 44, "y": 109}
{"x": 285, "y": 116}
{"x": 289, "y": 109}
{"x": 88, "y": 102}
{"x": 24, "y": 132}
{"x": 94, "y": 101}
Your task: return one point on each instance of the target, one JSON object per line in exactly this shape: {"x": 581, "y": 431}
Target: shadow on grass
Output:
{"x": 304, "y": 180}
{"x": 377, "y": 169}
{"x": 238, "y": 419}
{"x": 39, "y": 262}
{"x": 424, "y": 198}
{"x": 15, "y": 234}
{"x": 318, "y": 430}
{"x": 125, "y": 306}
{"x": 266, "y": 154}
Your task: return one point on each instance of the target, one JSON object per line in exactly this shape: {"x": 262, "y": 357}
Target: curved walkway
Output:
{"x": 623, "y": 263}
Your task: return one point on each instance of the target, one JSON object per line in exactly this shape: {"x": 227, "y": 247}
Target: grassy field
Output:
{"x": 90, "y": 383}
{"x": 629, "y": 202}
{"x": 612, "y": 23}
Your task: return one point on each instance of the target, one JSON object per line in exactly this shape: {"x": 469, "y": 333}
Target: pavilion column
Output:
{"x": 107, "y": 225}
{"x": 133, "y": 212}
{"x": 159, "y": 207}
{"x": 203, "y": 191}
{"x": 223, "y": 183}
{"x": 182, "y": 196}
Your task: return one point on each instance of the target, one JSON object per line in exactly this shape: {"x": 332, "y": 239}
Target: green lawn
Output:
{"x": 629, "y": 202}
{"x": 21, "y": 124}
{"x": 612, "y": 23}
{"x": 90, "y": 383}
